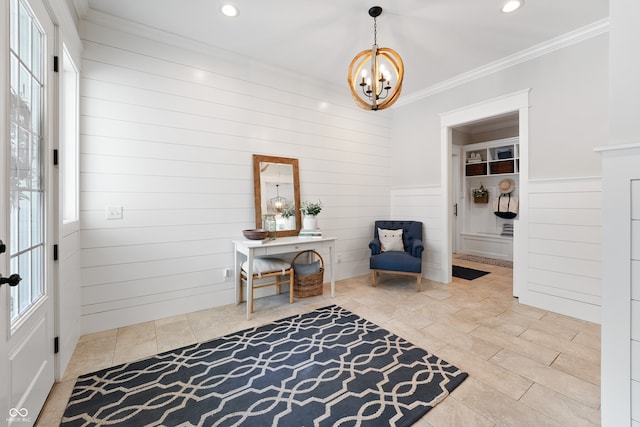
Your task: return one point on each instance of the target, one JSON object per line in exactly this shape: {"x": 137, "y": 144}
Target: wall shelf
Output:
{"x": 485, "y": 165}
{"x": 500, "y": 157}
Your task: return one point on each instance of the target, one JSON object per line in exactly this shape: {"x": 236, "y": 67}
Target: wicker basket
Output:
{"x": 308, "y": 285}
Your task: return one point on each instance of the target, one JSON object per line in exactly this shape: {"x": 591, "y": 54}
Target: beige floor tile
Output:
{"x": 415, "y": 336}
{"x": 99, "y": 335}
{"x": 175, "y": 334}
{"x": 571, "y": 348}
{"x": 590, "y": 338}
{"x": 578, "y": 367}
{"x": 91, "y": 355}
{"x": 132, "y": 335}
{"x": 481, "y": 319}
{"x": 546, "y": 326}
{"x": 516, "y": 344}
{"x": 497, "y": 377}
{"x": 561, "y": 408}
{"x": 477, "y": 325}
{"x": 127, "y": 352}
{"x": 575, "y": 388}
{"x": 502, "y": 410}
{"x": 452, "y": 413}
{"x": 469, "y": 343}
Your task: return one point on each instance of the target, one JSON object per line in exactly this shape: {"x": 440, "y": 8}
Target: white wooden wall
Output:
{"x": 167, "y": 133}
{"x": 564, "y": 247}
{"x": 423, "y": 204}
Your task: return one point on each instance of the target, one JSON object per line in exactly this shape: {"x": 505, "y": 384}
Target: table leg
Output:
{"x": 249, "y": 297}
{"x": 236, "y": 275}
{"x": 332, "y": 260}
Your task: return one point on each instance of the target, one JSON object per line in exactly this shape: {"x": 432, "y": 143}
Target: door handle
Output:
{"x": 12, "y": 280}
{"x": 455, "y": 209}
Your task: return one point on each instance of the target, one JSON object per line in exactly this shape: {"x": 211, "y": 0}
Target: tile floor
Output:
{"x": 527, "y": 367}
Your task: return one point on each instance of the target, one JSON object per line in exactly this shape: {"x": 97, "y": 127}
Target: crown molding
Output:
{"x": 568, "y": 39}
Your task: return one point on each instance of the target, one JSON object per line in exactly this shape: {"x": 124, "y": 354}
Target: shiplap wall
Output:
{"x": 564, "y": 272}
{"x": 168, "y": 134}
{"x": 423, "y": 204}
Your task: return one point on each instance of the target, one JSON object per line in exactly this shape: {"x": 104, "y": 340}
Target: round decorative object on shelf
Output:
{"x": 255, "y": 234}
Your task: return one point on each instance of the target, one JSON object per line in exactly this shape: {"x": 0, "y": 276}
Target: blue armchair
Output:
{"x": 407, "y": 261}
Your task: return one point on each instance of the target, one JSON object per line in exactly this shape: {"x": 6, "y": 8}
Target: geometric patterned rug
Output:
{"x": 324, "y": 368}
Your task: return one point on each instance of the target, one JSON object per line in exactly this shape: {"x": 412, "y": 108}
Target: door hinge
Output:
{"x": 56, "y": 345}
{"x": 55, "y": 64}
{"x": 55, "y": 252}
{"x": 55, "y": 157}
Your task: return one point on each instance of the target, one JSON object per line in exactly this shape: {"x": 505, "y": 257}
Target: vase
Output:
{"x": 310, "y": 222}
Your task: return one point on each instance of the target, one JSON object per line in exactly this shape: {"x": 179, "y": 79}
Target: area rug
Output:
{"x": 486, "y": 260}
{"x": 329, "y": 367}
{"x": 467, "y": 273}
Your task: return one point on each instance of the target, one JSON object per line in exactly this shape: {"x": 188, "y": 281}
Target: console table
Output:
{"x": 281, "y": 245}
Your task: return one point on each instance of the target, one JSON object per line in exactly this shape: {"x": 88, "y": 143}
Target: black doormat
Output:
{"x": 467, "y": 273}
{"x": 325, "y": 368}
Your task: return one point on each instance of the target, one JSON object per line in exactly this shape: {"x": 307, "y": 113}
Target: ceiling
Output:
{"x": 437, "y": 39}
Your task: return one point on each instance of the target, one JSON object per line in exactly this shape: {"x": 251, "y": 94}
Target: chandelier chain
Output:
{"x": 375, "y": 31}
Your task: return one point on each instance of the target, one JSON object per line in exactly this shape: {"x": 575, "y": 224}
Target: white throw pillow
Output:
{"x": 267, "y": 265}
{"x": 390, "y": 240}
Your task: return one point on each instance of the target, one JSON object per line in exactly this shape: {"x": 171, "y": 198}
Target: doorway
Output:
{"x": 485, "y": 154}
{"x": 516, "y": 103}
{"x": 28, "y": 319}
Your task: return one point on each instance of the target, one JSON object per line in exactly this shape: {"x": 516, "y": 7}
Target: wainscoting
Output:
{"x": 564, "y": 248}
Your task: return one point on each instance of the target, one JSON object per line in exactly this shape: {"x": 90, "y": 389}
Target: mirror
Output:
{"x": 276, "y": 188}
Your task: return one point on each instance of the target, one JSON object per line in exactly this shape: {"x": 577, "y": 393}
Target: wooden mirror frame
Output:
{"x": 257, "y": 191}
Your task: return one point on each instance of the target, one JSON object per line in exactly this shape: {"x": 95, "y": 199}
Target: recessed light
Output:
{"x": 512, "y": 5}
{"x": 229, "y": 10}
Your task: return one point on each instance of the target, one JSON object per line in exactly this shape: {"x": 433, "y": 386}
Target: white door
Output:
{"x": 457, "y": 197}
{"x": 27, "y": 309}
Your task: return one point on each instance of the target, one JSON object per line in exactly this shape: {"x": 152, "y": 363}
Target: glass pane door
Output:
{"x": 26, "y": 192}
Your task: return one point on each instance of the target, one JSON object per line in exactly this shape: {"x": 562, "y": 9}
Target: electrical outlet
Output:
{"x": 226, "y": 273}
{"x": 114, "y": 212}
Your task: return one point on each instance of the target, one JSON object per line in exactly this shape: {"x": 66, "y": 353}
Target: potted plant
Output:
{"x": 289, "y": 213}
{"x": 480, "y": 195}
{"x": 310, "y": 210}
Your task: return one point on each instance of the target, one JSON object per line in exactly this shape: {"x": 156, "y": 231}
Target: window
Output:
{"x": 26, "y": 187}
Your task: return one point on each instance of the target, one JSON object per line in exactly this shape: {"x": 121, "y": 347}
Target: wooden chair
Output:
{"x": 268, "y": 268}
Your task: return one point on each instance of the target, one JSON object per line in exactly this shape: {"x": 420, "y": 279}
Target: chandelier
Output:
{"x": 375, "y": 76}
{"x": 278, "y": 203}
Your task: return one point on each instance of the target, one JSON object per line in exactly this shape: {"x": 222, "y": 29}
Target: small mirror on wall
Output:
{"x": 276, "y": 186}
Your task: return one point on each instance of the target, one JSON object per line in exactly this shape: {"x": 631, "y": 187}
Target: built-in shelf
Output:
{"x": 485, "y": 164}
{"x": 500, "y": 157}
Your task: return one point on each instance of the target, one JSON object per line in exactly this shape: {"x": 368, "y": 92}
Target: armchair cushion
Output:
{"x": 395, "y": 261}
{"x": 391, "y": 240}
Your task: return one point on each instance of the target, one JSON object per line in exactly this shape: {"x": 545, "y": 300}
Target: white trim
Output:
{"x": 629, "y": 146}
{"x": 568, "y": 39}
